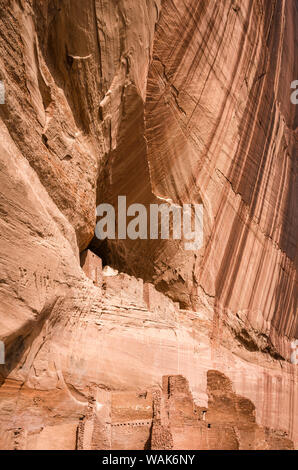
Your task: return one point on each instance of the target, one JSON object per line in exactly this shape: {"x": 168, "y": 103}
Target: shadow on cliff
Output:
{"x": 19, "y": 344}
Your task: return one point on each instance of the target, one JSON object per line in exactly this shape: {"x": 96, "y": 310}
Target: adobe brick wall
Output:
{"x": 158, "y": 303}
{"x": 228, "y": 423}
{"x": 124, "y": 289}
{"x": 92, "y": 267}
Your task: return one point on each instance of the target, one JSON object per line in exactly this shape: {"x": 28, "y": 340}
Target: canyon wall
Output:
{"x": 164, "y": 102}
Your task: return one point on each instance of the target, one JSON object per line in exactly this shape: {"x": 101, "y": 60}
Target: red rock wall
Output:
{"x": 184, "y": 102}
{"x": 227, "y": 424}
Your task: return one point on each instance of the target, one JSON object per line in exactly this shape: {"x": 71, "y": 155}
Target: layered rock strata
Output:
{"x": 95, "y": 378}
{"x": 160, "y": 101}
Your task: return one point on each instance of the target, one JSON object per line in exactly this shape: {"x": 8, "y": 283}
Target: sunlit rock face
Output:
{"x": 227, "y": 424}
{"x": 163, "y": 102}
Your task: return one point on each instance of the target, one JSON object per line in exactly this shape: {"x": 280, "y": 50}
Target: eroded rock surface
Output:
{"x": 184, "y": 102}
{"x": 227, "y": 424}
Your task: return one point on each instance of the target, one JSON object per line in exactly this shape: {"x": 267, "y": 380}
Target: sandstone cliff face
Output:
{"x": 157, "y": 100}
{"x": 227, "y": 424}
